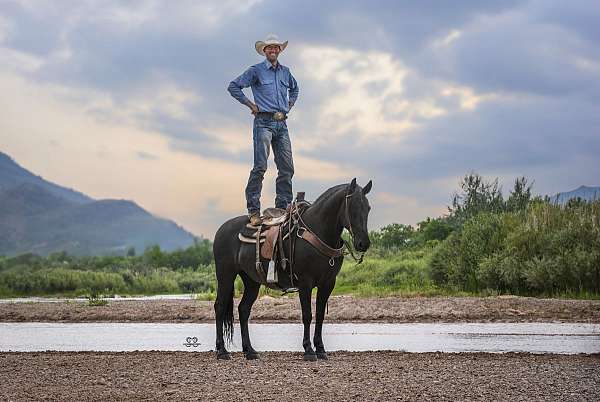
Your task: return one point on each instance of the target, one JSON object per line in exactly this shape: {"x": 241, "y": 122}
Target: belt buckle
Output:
{"x": 278, "y": 116}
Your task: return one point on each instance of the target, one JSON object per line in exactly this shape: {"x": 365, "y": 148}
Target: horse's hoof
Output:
{"x": 322, "y": 355}
{"x": 223, "y": 356}
{"x": 251, "y": 356}
{"x": 310, "y": 357}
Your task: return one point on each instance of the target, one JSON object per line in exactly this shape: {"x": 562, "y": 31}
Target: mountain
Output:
{"x": 584, "y": 192}
{"x": 11, "y": 174}
{"x": 42, "y": 217}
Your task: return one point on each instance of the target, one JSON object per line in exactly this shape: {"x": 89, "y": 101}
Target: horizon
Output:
{"x": 123, "y": 101}
{"x": 205, "y": 237}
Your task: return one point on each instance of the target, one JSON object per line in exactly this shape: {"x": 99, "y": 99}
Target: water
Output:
{"x": 430, "y": 337}
{"x": 34, "y": 299}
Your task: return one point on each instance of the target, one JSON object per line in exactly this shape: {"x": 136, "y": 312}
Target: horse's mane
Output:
{"x": 329, "y": 193}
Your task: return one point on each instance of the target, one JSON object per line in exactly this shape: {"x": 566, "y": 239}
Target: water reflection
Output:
{"x": 426, "y": 337}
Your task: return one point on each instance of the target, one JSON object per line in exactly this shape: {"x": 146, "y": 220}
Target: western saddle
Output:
{"x": 268, "y": 239}
{"x": 277, "y": 225}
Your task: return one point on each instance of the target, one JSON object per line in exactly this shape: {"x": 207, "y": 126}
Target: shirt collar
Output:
{"x": 268, "y": 64}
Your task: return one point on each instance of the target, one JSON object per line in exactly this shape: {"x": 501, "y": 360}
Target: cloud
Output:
{"x": 6, "y": 28}
{"x": 518, "y": 51}
{"x": 402, "y": 208}
{"x": 146, "y": 155}
{"x": 372, "y": 97}
{"x": 103, "y": 158}
{"x": 410, "y": 94}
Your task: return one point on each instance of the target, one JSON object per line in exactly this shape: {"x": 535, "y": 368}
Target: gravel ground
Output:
{"x": 341, "y": 309}
{"x": 284, "y": 376}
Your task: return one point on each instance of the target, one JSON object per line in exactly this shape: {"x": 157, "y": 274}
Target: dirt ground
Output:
{"x": 284, "y": 376}
{"x": 341, "y": 309}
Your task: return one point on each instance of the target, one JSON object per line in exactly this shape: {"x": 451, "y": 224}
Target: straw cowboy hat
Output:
{"x": 272, "y": 39}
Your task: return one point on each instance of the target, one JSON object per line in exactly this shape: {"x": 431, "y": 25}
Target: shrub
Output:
{"x": 546, "y": 249}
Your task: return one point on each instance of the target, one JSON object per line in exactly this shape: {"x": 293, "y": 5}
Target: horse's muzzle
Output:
{"x": 362, "y": 245}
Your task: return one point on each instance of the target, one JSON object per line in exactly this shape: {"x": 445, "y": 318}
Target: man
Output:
{"x": 271, "y": 83}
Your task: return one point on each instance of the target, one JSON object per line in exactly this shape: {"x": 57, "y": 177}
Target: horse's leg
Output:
{"x": 251, "y": 289}
{"x": 323, "y": 294}
{"x": 305, "y": 293}
{"x": 224, "y": 310}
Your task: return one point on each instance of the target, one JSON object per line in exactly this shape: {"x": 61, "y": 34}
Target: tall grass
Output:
{"x": 70, "y": 282}
{"x": 546, "y": 250}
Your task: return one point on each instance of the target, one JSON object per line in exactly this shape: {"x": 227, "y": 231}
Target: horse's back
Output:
{"x": 226, "y": 240}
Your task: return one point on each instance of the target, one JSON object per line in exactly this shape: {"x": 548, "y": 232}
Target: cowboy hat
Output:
{"x": 272, "y": 39}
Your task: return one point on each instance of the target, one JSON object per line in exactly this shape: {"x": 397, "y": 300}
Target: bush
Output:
{"x": 444, "y": 260}
{"x": 457, "y": 261}
{"x": 546, "y": 249}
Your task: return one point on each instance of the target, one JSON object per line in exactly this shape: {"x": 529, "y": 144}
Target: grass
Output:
{"x": 384, "y": 272}
{"x": 95, "y": 300}
{"x": 388, "y": 274}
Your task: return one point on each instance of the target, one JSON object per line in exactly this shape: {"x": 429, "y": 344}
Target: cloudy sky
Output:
{"x": 127, "y": 99}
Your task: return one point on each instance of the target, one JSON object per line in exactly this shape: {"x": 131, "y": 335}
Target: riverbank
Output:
{"x": 284, "y": 376}
{"x": 340, "y": 309}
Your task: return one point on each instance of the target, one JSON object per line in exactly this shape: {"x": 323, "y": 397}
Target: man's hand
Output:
{"x": 253, "y": 108}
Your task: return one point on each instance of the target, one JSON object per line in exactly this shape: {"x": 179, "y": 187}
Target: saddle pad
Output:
{"x": 251, "y": 240}
{"x": 250, "y": 231}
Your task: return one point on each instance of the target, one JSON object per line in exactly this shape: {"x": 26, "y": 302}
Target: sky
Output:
{"x": 128, "y": 99}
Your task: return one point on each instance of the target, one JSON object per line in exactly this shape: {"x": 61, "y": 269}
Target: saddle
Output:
{"x": 278, "y": 225}
{"x": 272, "y": 219}
{"x": 268, "y": 239}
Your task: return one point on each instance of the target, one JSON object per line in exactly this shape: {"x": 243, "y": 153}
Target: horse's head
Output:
{"x": 356, "y": 213}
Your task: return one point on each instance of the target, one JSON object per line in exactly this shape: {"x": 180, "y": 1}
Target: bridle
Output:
{"x": 304, "y": 232}
{"x": 347, "y": 216}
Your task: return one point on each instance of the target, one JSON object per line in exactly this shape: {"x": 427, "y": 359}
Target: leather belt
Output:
{"x": 277, "y": 116}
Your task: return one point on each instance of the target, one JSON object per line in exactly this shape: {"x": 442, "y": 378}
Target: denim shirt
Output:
{"x": 270, "y": 87}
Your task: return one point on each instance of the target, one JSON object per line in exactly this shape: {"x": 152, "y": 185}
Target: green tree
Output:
{"x": 476, "y": 195}
{"x": 131, "y": 252}
{"x": 153, "y": 256}
{"x": 434, "y": 229}
{"x": 520, "y": 196}
{"x": 396, "y": 235}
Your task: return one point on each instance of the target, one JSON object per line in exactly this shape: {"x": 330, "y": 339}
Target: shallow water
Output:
{"x": 34, "y": 299}
{"x": 429, "y": 337}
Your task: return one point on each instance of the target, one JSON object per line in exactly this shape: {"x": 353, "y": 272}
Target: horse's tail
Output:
{"x": 228, "y": 319}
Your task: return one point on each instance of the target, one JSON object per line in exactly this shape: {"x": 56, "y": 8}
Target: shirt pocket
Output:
{"x": 266, "y": 82}
{"x": 267, "y": 87}
{"x": 284, "y": 83}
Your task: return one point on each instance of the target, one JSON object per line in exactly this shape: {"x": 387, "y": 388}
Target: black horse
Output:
{"x": 342, "y": 206}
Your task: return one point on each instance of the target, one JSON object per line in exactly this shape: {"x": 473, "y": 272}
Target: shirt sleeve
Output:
{"x": 243, "y": 81}
{"x": 294, "y": 90}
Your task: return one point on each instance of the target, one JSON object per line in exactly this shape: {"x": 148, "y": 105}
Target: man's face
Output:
{"x": 272, "y": 51}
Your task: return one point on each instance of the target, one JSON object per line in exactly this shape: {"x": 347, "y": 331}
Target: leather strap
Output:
{"x": 319, "y": 245}
{"x": 271, "y": 115}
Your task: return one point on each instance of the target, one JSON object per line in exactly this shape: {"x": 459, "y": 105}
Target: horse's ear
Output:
{"x": 367, "y": 188}
{"x": 352, "y": 186}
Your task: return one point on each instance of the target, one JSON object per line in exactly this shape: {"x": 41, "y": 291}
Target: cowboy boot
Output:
{"x": 255, "y": 219}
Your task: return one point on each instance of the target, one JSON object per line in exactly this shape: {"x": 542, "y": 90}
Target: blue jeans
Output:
{"x": 269, "y": 133}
